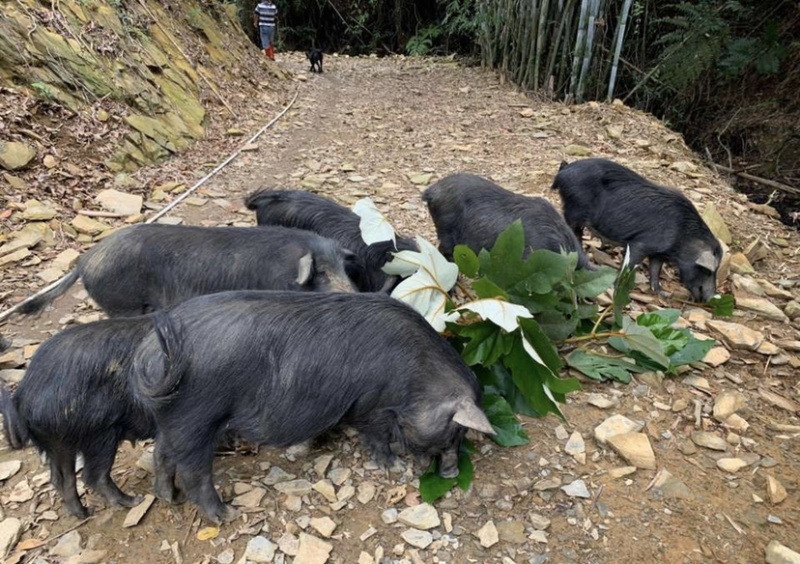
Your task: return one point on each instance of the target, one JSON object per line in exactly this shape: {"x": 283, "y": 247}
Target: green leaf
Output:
{"x": 694, "y": 351}
{"x": 556, "y": 325}
{"x": 497, "y": 380}
{"x": 529, "y": 377}
{"x": 592, "y": 283}
{"x": 602, "y": 367}
{"x": 641, "y": 340}
{"x": 467, "y": 260}
{"x": 543, "y": 270}
{"x": 501, "y": 416}
{"x": 487, "y": 342}
{"x": 432, "y": 486}
{"x": 485, "y": 288}
{"x": 502, "y": 266}
{"x": 543, "y": 346}
{"x": 660, "y": 317}
{"x": 622, "y": 290}
{"x": 560, "y": 387}
{"x": 722, "y": 305}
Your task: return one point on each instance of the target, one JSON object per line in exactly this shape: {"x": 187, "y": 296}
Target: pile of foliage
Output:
{"x": 514, "y": 314}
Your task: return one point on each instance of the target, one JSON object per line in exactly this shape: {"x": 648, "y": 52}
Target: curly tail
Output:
{"x": 159, "y": 378}
{"x": 14, "y": 426}
{"x": 556, "y": 185}
{"x": 38, "y": 303}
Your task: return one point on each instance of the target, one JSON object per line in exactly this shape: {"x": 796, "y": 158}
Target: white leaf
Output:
{"x": 423, "y": 294}
{"x": 432, "y": 277}
{"x": 444, "y": 272}
{"x": 532, "y": 351}
{"x": 549, "y": 394}
{"x": 404, "y": 263}
{"x": 374, "y": 227}
{"x": 499, "y": 312}
{"x": 627, "y": 260}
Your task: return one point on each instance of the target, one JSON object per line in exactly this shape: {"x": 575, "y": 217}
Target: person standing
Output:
{"x": 265, "y": 17}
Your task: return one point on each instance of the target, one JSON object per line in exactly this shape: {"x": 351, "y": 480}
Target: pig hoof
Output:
{"x": 129, "y": 500}
{"x": 223, "y": 514}
{"x": 80, "y": 511}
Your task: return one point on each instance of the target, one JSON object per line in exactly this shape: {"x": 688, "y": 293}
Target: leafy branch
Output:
{"x": 520, "y": 307}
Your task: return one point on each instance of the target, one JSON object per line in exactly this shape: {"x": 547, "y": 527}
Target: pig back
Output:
{"x": 284, "y": 367}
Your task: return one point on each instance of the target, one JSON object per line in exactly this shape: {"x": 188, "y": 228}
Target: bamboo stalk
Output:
{"x": 566, "y": 15}
{"x": 620, "y": 36}
{"x": 587, "y": 50}
{"x": 540, "y": 35}
{"x": 579, "y": 46}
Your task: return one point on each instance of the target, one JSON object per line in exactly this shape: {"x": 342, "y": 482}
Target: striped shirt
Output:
{"x": 267, "y": 13}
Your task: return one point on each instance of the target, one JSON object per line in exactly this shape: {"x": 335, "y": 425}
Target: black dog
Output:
{"x": 315, "y": 57}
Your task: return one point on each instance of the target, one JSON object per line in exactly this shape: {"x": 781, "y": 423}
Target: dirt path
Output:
{"x": 386, "y": 128}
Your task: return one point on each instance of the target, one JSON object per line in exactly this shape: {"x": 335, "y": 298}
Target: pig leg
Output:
{"x": 62, "y": 475}
{"x": 196, "y": 476}
{"x": 99, "y": 459}
{"x": 655, "y": 274}
{"x": 165, "y": 474}
{"x": 575, "y": 222}
{"x": 378, "y": 432}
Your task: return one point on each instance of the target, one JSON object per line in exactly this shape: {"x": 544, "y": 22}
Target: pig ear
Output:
{"x": 304, "y": 268}
{"x": 707, "y": 260}
{"x": 470, "y": 416}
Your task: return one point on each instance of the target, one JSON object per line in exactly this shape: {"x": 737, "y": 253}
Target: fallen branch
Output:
{"x": 752, "y": 177}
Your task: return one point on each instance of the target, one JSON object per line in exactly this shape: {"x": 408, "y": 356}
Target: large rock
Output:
{"x": 313, "y": 550}
{"x": 422, "y": 516}
{"x": 762, "y": 307}
{"x": 89, "y": 226}
{"x": 14, "y": 155}
{"x": 709, "y": 440}
{"x": 615, "y": 425}
{"x": 716, "y": 224}
{"x": 25, "y": 238}
{"x": 635, "y": 448}
{"x": 777, "y": 553}
{"x": 260, "y": 549}
{"x": 740, "y": 265}
{"x": 728, "y": 403}
{"x": 68, "y": 545}
{"x": 488, "y": 535}
{"x": 120, "y": 202}
{"x": 10, "y": 529}
{"x": 737, "y": 336}
{"x": 417, "y": 538}
{"x": 792, "y": 309}
{"x": 37, "y": 211}
{"x": 16, "y": 256}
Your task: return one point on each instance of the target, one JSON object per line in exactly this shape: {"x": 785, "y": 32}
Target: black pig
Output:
{"x": 76, "y": 397}
{"x": 470, "y": 210}
{"x": 315, "y": 57}
{"x": 294, "y": 208}
{"x": 148, "y": 267}
{"x": 655, "y": 221}
{"x": 279, "y": 368}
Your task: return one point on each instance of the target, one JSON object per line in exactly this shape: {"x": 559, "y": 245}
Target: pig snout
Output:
{"x": 448, "y": 463}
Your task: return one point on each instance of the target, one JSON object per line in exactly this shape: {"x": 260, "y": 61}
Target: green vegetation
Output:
{"x": 516, "y": 353}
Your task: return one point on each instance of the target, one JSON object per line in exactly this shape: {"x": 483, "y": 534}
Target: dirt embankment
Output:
{"x": 90, "y": 89}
